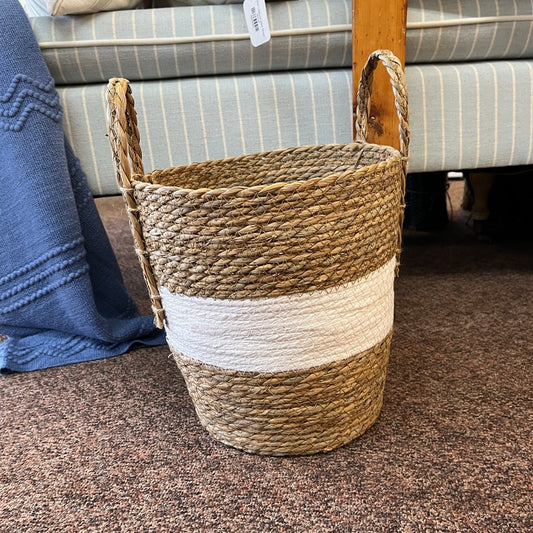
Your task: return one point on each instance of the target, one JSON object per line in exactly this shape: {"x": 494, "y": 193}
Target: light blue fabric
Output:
{"x": 205, "y": 40}
{"x": 62, "y": 298}
{"x": 462, "y": 116}
{"x": 166, "y": 43}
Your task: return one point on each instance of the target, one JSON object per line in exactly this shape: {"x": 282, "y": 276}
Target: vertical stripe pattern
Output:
{"x": 206, "y": 40}
{"x": 496, "y": 130}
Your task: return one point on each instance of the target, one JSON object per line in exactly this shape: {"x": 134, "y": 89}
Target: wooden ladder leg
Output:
{"x": 379, "y": 24}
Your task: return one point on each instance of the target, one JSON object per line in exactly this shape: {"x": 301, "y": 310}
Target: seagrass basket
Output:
{"x": 273, "y": 276}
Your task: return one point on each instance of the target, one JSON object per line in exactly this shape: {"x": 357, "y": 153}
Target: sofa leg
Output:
{"x": 480, "y": 184}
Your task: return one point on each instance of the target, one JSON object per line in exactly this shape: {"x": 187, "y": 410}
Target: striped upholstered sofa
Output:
{"x": 203, "y": 92}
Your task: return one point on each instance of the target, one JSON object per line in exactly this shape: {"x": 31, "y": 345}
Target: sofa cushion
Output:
{"x": 469, "y": 30}
{"x": 465, "y": 115}
{"x": 193, "y": 41}
{"x": 195, "y": 119}
{"x": 306, "y": 34}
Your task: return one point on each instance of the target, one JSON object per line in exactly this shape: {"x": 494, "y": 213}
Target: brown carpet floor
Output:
{"x": 115, "y": 446}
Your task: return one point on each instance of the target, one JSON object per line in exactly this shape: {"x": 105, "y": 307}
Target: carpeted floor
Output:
{"x": 115, "y": 446}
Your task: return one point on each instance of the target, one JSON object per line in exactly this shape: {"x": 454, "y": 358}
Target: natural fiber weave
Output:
{"x": 290, "y": 236}
{"x": 271, "y": 225}
{"x": 289, "y": 413}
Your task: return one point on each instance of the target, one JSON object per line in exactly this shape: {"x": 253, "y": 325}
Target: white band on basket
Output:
{"x": 292, "y": 332}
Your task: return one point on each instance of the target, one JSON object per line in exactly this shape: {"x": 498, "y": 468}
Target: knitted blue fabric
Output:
{"x": 62, "y": 297}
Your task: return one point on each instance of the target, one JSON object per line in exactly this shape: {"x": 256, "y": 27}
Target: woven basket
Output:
{"x": 273, "y": 276}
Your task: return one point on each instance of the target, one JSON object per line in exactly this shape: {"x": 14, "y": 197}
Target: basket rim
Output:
{"x": 145, "y": 182}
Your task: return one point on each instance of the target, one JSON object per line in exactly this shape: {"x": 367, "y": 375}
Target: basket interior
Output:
{"x": 280, "y": 166}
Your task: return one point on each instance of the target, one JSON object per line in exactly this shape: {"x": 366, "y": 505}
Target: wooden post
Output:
{"x": 378, "y": 24}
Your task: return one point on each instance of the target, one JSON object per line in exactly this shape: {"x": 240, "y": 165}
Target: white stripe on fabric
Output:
{"x": 513, "y": 31}
{"x": 327, "y": 48}
{"x": 347, "y": 48}
{"x": 183, "y": 122}
{"x": 332, "y": 110}
{"x": 96, "y": 50}
{"x": 478, "y": 116}
{"x": 165, "y": 123}
{"x": 232, "y": 44}
{"x": 308, "y": 9}
{"x": 495, "y": 88}
{"x": 193, "y": 41}
{"x": 66, "y": 114}
{"x": 156, "y": 54}
{"x": 98, "y": 170}
{"x": 439, "y": 35}
{"x": 238, "y": 95}
{"x": 422, "y": 84}
{"x": 289, "y": 47}
{"x": 530, "y": 151}
{"x": 90, "y": 139}
{"x": 57, "y": 60}
{"x": 514, "y": 117}
{"x": 313, "y": 106}
{"x": 77, "y": 55}
{"x": 175, "y": 49}
{"x": 113, "y": 43}
{"x": 147, "y": 139}
{"x": 421, "y": 38}
{"x": 221, "y": 118}
{"x": 276, "y": 110}
{"x": 494, "y": 32}
{"x": 461, "y": 115}
{"x": 295, "y": 109}
{"x": 292, "y": 332}
{"x": 213, "y": 47}
{"x": 204, "y": 126}
{"x": 136, "y": 49}
{"x": 259, "y": 117}
{"x": 527, "y": 41}
{"x": 443, "y": 117}
{"x": 348, "y": 37}
{"x": 474, "y": 40}
{"x": 270, "y": 56}
{"x": 457, "y": 34}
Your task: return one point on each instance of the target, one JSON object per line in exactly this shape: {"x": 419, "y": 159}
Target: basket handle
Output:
{"x": 123, "y": 131}
{"x": 397, "y": 78}
{"x": 124, "y": 139}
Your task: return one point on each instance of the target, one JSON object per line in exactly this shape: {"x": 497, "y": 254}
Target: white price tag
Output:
{"x": 257, "y": 21}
